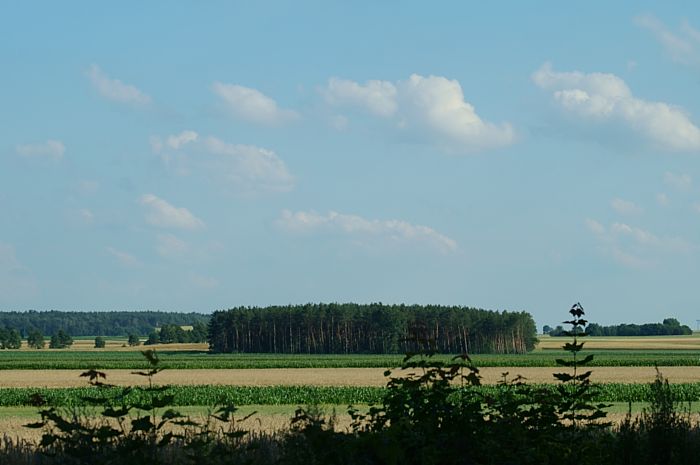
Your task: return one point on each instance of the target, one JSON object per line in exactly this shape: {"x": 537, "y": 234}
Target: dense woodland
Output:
{"x": 374, "y": 328}
{"x": 669, "y": 327}
{"x": 96, "y": 323}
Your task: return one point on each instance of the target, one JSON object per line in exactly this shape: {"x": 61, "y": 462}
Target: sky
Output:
{"x": 195, "y": 156}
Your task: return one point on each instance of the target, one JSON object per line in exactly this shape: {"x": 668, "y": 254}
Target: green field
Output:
{"x": 35, "y": 360}
{"x": 295, "y": 395}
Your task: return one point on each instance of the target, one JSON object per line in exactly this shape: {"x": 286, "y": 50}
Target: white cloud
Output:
{"x": 628, "y": 260}
{"x": 662, "y": 199}
{"x": 357, "y": 226}
{"x": 640, "y": 235}
{"x": 161, "y": 213}
{"x": 16, "y": 281}
{"x": 594, "y": 226}
{"x": 683, "y": 47}
{"x": 252, "y": 105}
{"x": 636, "y": 247}
{"x": 431, "y": 106}
{"x": 86, "y": 215}
{"x": 605, "y": 98}
{"x": 170, "y": 246}
{"x": 124, "y": 258}
{"x": 51, "y": 149}
{"x": 378, "y": 97}
{"x": 246, "y": 167}
{"x": 185, "y": 137}
{"x": 114, "y": 89}
{"x": 340, "y": 122}
{"x": 625, "y": 207}
{"x": 681, "y": 182}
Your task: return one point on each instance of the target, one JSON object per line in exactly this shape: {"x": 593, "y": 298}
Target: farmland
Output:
{"x": 623, "y": 366}
{"x": 187, "y": 357}
{"x": 273, "y": 385}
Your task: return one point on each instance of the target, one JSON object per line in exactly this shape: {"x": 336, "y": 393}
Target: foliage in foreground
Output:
{"x": 429, "y": 416}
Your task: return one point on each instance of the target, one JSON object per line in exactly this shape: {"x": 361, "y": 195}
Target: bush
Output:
{"x": 35, "y": 339}
{"x": 100, "y": 342}
{"x": 10, "y": 338}
{"x": 60, "y": 340}
{"x": 134, "y": 340}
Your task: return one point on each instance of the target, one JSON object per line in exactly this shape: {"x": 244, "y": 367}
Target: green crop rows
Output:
{"x": 296, "y": 395}
{"x": 198, "y": 395}
{"x": 80, "y": 360}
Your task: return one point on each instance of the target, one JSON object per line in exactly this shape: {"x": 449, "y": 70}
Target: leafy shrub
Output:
{"x": 60, "y": 340}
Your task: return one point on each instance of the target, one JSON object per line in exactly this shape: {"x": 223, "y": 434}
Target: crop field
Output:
{"x": 200, "y": 359}
{"x": 294, "y": 395}
{"x": 197, "y": 379}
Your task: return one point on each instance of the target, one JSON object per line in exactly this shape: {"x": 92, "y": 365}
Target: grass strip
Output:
{"x": 83, "y": 360}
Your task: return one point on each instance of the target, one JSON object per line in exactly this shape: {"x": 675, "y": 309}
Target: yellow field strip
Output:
{"x": 323, "y": 376}
{"x": 627, "y": 342}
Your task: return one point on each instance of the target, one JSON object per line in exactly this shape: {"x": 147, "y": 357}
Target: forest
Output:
{"x": 373, "y": 328}
{"x": 119, "y": 323}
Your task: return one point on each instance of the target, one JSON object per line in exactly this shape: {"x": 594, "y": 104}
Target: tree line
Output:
{"x": 10, "y": 338}
{"x": 96, "y": 323}
{"x": 373, "y": 328}
{"x": 669, "y": 327}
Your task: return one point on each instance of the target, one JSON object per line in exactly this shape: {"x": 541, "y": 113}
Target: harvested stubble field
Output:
{"x": 691, "y": 342}
{"x": 326, "y": 376}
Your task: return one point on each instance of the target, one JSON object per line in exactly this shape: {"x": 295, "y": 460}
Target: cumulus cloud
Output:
{"x": 431, "y": 106}
{"x": 357, "y": 226}
{"x": 605, "y": 99}
{"x": 246, "y": 167}
{"x": 251, "y": 165}
{"x": 636, "y": 247}
{"x": 625, "y": 207}
{"x": 681, "y": 181}
{"x": 162, "y": 214}
{"x": 378, "y": 97}
{"x": 682, "y": 46}
{"x": 123, "y": 258}
{"x": 51, "y": 149}
{"x": 114, "y": 89}
{"x": 252, "y": 105}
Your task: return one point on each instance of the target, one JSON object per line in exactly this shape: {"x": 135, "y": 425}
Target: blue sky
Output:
{"x": 197, "y": 156}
